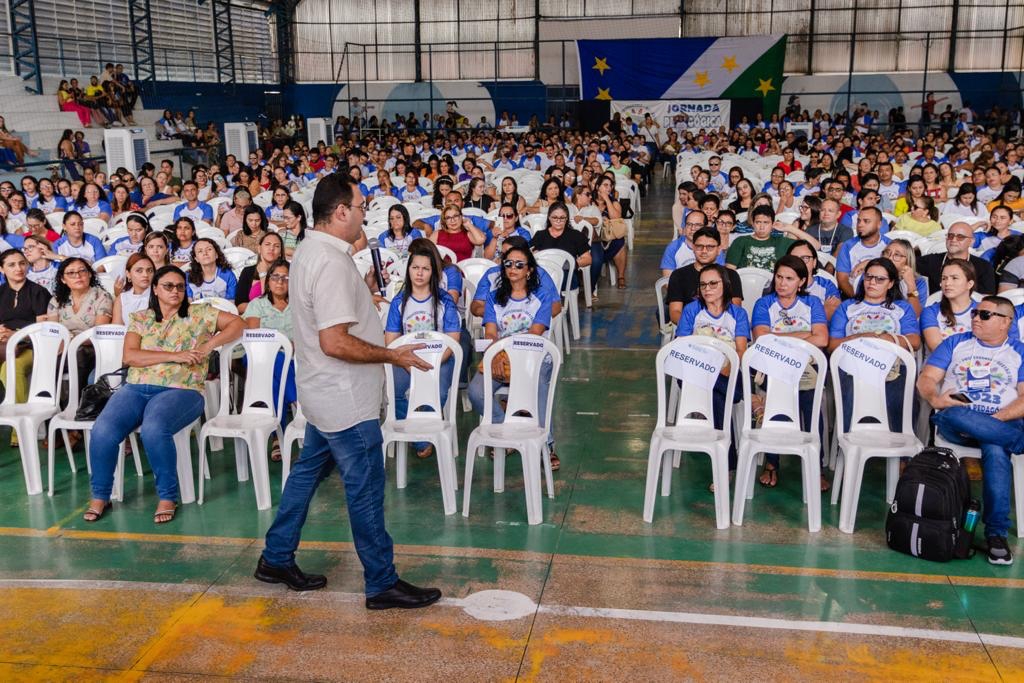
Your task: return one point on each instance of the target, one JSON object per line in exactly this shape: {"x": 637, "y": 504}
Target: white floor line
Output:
{"x": 497, "y": 605}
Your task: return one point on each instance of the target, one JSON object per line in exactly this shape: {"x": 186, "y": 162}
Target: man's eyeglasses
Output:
{"x": 359, "y": 207}
{"x": 507, "y": 216}
{"x": 986, "y": 315}
{"x": 704, "y": 247}
{"x": 518, "y": 265}
{"x": 694, "y": 225}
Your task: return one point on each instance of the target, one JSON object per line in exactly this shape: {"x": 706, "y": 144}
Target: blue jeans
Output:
{"x": 402, "y": 389}
{"x": 476, "y": 396}
{"x": 291, "y": 394}
{"x": 997, "y": 440}
{"x": 805, "y": 401}
{"x": 601, "y": 254}
{"x": 162, "y": 412}
{"x": 357, "y": 454}
{"x": 718, "y": 405}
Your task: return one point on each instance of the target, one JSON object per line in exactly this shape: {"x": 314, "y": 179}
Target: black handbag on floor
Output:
{"x": 927, "y": 515}
{"x": 95, "y": 396}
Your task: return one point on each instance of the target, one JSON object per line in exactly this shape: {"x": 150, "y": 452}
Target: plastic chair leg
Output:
{"x": 812, "y": 465}
{"x": 401, "y": 464}
{"x": 744, "y": 484}
{"x": 50, "y": 456}
{"x": 241, "y": 459}
{"x": 467, "y": 486}
{"x": 549, "y": 477}
{"x": 574, "y": 313}
{"x": 531, "y": 478}
{"x": 588, "y": 288}
{"x": 117, "y": 492}
{"x": 202, "y": 464}
{"x": 667, "y": 463}
{"x": 260, "y": 462}
{"x": 211, "y": 390}
{"x": 445, "y": 471}
{"x": 720, "y": 475}
{"x": 499, "y": 470}
{"x": 28, "y": 446}
{"x": 186, "y": 482}
{"x": 654, "y": 458}
{"x": 1018, "y": 491}
{"x": 839, "y": 479}
{"x": 892, "y": 475}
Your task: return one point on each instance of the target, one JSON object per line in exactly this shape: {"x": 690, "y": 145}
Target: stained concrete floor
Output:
{"x": 593, "y": 593}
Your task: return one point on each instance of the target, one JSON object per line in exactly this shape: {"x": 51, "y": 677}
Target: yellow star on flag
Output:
{"x": 603, "y": 94}
{"x": 601, "y": 64}
{"x": 730, "y": 63}
{"x": 764, "y": 87}
{"x": 701, "y": 78}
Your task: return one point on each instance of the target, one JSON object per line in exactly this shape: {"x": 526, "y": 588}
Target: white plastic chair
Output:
{"x": 56, "y": 220}
{"x": 108, "y": 343}
{"x": 564, "y": 261}
{"x": 446, "y": 254}
{"x": 754, "y": 281}
{"x": 111, "y": 264}
{"x": 49, "y": 343}
{"x": 95, "y": 226}
{"x": 259, "y": 414}
{"x": 1015, "y": 295}
{"x": 437, "y": 427}
{"x": 239, "y": 258}
{"x": 559, "y": 331}
{"x": 383, "y": 203}
{"x": 295, "y": 432}
{"x": 868, "y": 435}
{"x": 691, "y": 434}
{"x": 521, "y": 429}
{"x": 666, "y": 327}
{"x": 774, "y": 436}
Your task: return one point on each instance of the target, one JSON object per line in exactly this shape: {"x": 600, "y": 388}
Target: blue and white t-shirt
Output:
{"x": 859, "y": 317}
{"x": 517, "y": 315}
{"x": 805, "y": 312}
{"x": 399, "y": 245}
{"x": 276, "y": 213}
{"x": 678, "y": 254}
{"x": 698, "y": 320}
{"x": 201, "y": 212}
{"x": 93, "y": 211}
{"x": 489, "y": 284}
{"x": 91, "y": 249}
{"x": 123, "y": 246}
{"x": 55, "y": 203}
{"x": 419, "y": 315}
{"x": 519, "y": 230}
{"x": 932, "y": 316}
{"x": 406, "y": 195}
{"x": 182, "y": 253}
{"x": 823, "y": 288}
{"x": 854, "y": 251}
{"x": 988, "y": 375}
{"x": 222, "y": 286}
{"x": 44, "y": 278}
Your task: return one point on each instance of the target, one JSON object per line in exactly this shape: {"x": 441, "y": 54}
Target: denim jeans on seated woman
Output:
{"x": 402, "y": 390}
{"x": 162, "y": 412}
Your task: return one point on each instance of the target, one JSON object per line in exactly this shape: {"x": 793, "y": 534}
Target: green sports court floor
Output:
{"x": 593, "y": 593}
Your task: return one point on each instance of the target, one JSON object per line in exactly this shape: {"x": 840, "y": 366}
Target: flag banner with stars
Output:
{"x": 683, "y": 68}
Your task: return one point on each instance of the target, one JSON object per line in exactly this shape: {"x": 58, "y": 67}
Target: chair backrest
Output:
{"x": 261, "y": 348}
{"x": 56, "y": 220}
{"x": 564, "y": 261}
{"x": 240, "y": 257}
{"x": 220, "y": 303}
{"x": 49, "y": 348}
{"x": 425, "y": 385}
{"x": 1015, "y": 295}
{"x": 112, "y": 264}
{"x": 696, "y": 401}
{"x": 660, "y": 292}
{"x": 384, "y": 202}
{"x": 754, "y": 281}
{"x": 526, "y": 354}
{"x": 108, "y": 343}
{"x": 869, "y": 400}
{"x": 555, "y": 272}
{"x": 95, "y": 226}
{"x": 446, "y": 254}
{"x": 781, "y": 397}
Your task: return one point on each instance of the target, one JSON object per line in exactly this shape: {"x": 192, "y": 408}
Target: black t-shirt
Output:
{"x": 682, "y": 284}
{"x": 484, "y": 203}
{"x": 20, "y": 309}
{"x": 930, "y": 265}
{"x": 570, "y": 241}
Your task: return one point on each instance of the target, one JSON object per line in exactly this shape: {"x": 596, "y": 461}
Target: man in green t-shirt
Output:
{"x": 760, "y": 249}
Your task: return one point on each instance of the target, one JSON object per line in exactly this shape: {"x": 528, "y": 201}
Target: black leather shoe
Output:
{"x": 292, "y": 576}
{"x": 404, "y": 595}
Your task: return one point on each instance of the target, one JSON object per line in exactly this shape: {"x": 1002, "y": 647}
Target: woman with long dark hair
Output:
{"x": 422, "y": 306}
{"x": 952, "y": 313}
{"x": 250, "y": 280}
{"x": 510, "y": 194}
{"x": 210, "y": 274}
{"x": 293, "y": 229}
{"x": 254, "y": 225}
{"x": 167, "y": 351}
{"x": 400, "y": 233}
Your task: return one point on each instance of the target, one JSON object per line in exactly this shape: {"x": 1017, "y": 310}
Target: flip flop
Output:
{"x": 165, "y": 516}
{"x": 773, "y": 477}
{"x": 94, "y": 515}
{"x": 425, "y": 453}
{"x": 556, "y": 464}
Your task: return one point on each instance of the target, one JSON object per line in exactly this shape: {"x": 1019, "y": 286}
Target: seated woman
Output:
{"x": 457, "y": 232}
{"x": 270, "y": 310}
{"x": 477, "y": 197}
{"x": 66, "y": 101}
{"x": 22, "y": 303}
{"x": 138, "y": 277}
{"x": 400, "y": 233}
{"x": 921, "y": 217}
{"x": 294, "y": 229}
{"x": 121, "y": 201}
{"x": 510, "y": 194}
{"x": 167, "y": 350}
{"x": 550, "y": 193}
{"x": 132, "y": 243}
{"x": 713, "y": 314}
{"x": 254, "y": 227}
{"x": 411, "y": 191}
{"x": 157, "y": 247}
{"x": 422, "y": 306}
{"x": 92, "y": 203}
{"x": 605, "y": 250}
{"x": 952, "y": 313}
{"x": 48, "y": 200}
{"x": 818, "y": 286}
{"x": 516, "y": 304}
{"x": 505, "y": 226}
{"x": 79, "y": 303}
{"x": 42, "y": 262}
{"x": 878, "y": 311}
{"x": 789, "y": 311}
{"x": 184, "y": 240}
{"x": 250, "y": 280}
{"x": 384, "y": 187}
{"x": 275, "y": 212}
{"x": 210, "y": 274}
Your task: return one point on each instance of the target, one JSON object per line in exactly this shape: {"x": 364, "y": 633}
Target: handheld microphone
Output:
{"x": 374, "y": 245}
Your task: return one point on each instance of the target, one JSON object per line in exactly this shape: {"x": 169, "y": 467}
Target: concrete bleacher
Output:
{"x": 39, "y": 122}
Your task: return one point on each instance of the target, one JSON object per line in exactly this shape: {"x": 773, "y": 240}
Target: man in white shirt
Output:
{"x": 339, "y": 354}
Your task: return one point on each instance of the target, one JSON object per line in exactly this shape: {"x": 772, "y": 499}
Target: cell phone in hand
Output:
{"x": 960, "y": 397}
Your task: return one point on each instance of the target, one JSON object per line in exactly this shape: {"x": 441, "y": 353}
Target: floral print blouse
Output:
{"x": 173, "y": 334}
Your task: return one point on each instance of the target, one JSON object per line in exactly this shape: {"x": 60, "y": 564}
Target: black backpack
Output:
{"x": 927, "y": 515}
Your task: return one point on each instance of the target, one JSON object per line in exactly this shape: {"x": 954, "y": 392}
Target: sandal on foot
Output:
{"x": 825, "y": 484}
{"x": 555, "y": 462}
{"x": 164, "y": 516}
{"x": 425, "y": 453}
{"x": 769, "y": 477}
{"x": 275, "y": 452}
{"x": 94, "y": 515}
{"x": 621, "y": 284}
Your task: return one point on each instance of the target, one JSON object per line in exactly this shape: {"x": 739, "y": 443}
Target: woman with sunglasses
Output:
{"x": 952, "y": 313}
{"x": 505, "y": 226}
{"x": 878, "y": 311}
{"x": 789, "y": 311}
{"x": 713, "y": 314}
{"x": 516, "y": 305}
{"x": 457, "y": 233}
{"x": 422, "y": 306}
{"x": 167, "y": 351}
{"x": 922, "y": 218}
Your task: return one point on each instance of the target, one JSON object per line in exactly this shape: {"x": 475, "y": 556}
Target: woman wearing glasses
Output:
{"x": 167, "y": 350}
{"x": 516, "y": 305}
{"x": 878, "y": 311}
{"x": 506, "y": 226}
{"x": 457, "y": 233}
{"x": 952, "y": 313}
